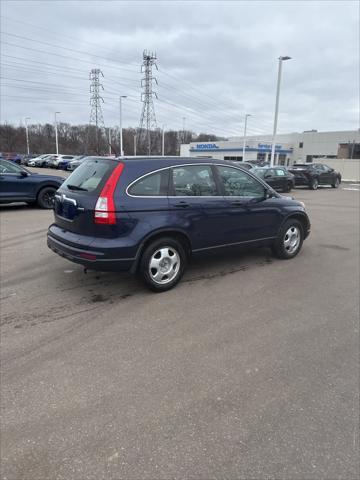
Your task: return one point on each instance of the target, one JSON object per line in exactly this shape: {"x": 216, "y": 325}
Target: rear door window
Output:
{"x": 90, "y": 175}
{"x": 193, "y": 181}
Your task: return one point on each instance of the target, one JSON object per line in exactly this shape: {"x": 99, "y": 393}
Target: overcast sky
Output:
{"x": 217, "y": 61}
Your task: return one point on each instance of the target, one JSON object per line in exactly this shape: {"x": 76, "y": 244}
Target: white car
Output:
{"x": 60, "y": 161}
{"x": 39, "y": 161}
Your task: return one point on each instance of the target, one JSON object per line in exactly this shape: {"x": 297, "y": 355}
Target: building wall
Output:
{"x": 298, "y": 147}
{"x": 349, "y": 168}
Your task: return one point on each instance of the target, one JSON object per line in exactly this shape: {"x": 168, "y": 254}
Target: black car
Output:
{"x": 314, "y": 174}
{"x": 17, "y": 184}
{"x": 279, "y": 178}
{"x": 150, "y": 215}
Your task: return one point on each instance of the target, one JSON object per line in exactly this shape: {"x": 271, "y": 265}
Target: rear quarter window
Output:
{"x": 152, "y": 185}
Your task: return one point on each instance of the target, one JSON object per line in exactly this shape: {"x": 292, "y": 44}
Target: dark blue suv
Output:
{"x": 149, "y": 215}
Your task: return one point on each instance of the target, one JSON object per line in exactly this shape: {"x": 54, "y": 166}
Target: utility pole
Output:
{"x": 96, "y": 115}
{"x": 121, "y": 131}
{"x": 56, "y": 135}
{"x": 148, "y": 118}
{"x": 27, "y": 135}
{"x": 246, "y": 117}
{"x": 135, "y": 144}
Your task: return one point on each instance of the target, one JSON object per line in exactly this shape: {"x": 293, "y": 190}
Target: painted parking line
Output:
{"x": 352, "y": 189}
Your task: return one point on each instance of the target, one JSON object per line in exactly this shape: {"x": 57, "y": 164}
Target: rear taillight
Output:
{"x": 105, "y": 207}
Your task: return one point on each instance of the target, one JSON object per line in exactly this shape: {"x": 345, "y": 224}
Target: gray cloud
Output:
{"x": 217, "y": 61}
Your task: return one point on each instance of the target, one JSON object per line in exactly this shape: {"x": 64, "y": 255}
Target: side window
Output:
{"x": 279, "y": 172}
{"x": 7, "y": 167}
{"x": 239, "y": 183}
{"x": 194, "y": 181}
{"x": 153, "y": 185}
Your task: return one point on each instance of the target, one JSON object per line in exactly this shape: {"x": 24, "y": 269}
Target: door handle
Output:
{"x": 182, "y": 205}
{"x": 237, "y": 202}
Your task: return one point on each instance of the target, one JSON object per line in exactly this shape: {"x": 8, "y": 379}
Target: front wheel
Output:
{"x": 289, "y": 241}
{"x": 45, "y": 198}
{"x": 163, "y": 264}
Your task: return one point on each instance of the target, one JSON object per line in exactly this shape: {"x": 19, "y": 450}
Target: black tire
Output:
{"x": 314, "y": 184}
{"x": 336, "y": 183}
{"x": 279, "y": 248}
{"x": 45, "y": 198}
{"x": 147, "y": 274}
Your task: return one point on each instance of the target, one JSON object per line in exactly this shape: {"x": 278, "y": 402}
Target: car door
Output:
{"x": 250, "y": 215}
{"x": 273, "y": 179}
{"x": 196, "y": 204}
{"x": 281, "y": 179}
{"x": 327, "y": 175}
{"x": 15, "y": 182}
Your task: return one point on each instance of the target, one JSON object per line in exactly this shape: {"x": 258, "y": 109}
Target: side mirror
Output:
{"x": 268, "y": 175}
{"x": 24, "y": 174}
{"x": 268, "y": 194}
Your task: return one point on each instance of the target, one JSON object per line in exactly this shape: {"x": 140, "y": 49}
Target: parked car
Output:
{"x": 11, "y": 157}
{"x": 314, "y": 174}
{"x": 59, "y": 161}
{"x": 17, "y": 184}
{"x": 75, "y": 163}
{"x": 279, "y": 178}
{"x": 63, "y": 161}
{"x": 26, "y": 158}
{"x": 40, "y": 161}
{"x": 149, "y": 215}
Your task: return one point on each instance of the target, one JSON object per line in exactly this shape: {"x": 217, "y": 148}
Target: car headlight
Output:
{"x": 303, "y": 205}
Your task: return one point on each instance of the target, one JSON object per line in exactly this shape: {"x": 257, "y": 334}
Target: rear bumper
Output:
{"x": 104, "y": 259}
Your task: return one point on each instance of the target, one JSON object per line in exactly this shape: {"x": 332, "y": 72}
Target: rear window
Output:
{"x": 89, "y": 175}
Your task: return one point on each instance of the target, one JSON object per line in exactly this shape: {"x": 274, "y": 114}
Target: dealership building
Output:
{"x": 290, "y": 148}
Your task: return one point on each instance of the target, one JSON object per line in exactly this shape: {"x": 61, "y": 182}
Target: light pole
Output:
{"x": 135, "y": 145}
{"x": 163, "y": 141}
{"x": 246, "y": 117}
{"x": 281, "y": 59}
{"x": 27, "y": 135}
{"x": 56, "y": 135}
{"x": 109, "y": 135}
{"x": 121, "y": 132}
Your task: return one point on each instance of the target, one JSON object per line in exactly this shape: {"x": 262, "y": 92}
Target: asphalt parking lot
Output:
{"x": 248, "y": 369}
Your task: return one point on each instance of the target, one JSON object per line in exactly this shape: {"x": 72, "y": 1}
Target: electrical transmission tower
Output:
{"x": 148, "y": 118}
{"x": 96, "y": 115}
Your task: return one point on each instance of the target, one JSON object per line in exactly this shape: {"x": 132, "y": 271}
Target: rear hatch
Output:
{"x": 299, "y": 171}
{"x": 77, "y": 198}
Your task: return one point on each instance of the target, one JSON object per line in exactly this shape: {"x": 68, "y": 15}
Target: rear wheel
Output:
{"x": 290, "y": 239}
{"x": 163, "y": 264}
{"x": 336, "y": 183}
{"x": 45, "y": 198}
{"x": 314, "y": 184}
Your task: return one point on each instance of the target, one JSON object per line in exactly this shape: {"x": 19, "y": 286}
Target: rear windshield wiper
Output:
{"x": 75, "y": 187}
